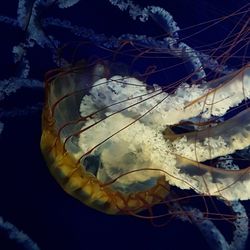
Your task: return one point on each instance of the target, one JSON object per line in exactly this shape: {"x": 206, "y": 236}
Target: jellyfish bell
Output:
{"x": 79, "y": 168}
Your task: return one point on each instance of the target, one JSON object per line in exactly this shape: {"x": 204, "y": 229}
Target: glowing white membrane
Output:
{"x": 129, "y": 133}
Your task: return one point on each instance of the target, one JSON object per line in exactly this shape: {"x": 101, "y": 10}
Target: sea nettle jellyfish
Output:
{"x": 122, "y": 135}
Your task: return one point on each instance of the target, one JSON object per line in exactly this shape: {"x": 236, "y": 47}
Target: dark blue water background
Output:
{"x": 29, "y": 196}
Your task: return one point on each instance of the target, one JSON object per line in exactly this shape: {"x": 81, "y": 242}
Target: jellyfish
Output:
{"x": 106, "y": 126}
{"x": 110, "y": 139}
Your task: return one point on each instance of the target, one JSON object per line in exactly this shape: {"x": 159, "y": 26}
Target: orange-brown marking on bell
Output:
{"x": 79, "y": 183}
